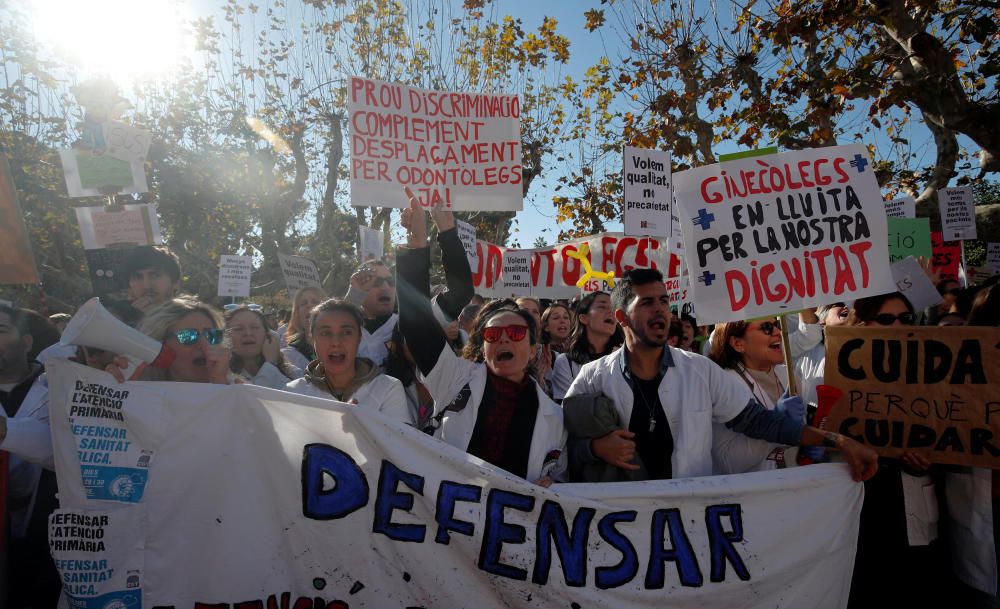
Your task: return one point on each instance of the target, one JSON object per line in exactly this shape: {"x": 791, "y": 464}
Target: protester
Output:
{"x": 299, "y": 351}
{"x": 373, "y": 288}
{"x": 488, "y": 402}
{"x": 595, "y": 334}
{"x": 557, "y": 324}
{"x": 154, "y": 276}
{"x": 810, "y": 365}
{"x": 666, "y": 399}
{"x": 31, "y": 488}
{"x": 985, "y": 309}
{"x": 59, "y": 320}
{"x": 100, "y": 359}
{"x": 45, "y": 339}
{"x": 467, "y": 318}
{"x": 256, "y": 350}
{"x": 339, "y": 372}
{"x": 950, "y": 291}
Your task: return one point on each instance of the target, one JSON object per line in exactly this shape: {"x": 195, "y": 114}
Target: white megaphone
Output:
{"x": 93, "y": 326}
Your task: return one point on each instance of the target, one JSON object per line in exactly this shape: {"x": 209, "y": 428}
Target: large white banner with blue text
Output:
{"x": 238, "y": 497}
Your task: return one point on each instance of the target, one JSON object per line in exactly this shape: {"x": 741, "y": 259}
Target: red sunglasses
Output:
{"x": 516, "y": 333}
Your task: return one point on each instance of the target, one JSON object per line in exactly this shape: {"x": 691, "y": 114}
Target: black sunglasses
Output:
{"x": 768, "y": 327}
{"x": 887, "y": 319}
{"x": 380, "y": 281}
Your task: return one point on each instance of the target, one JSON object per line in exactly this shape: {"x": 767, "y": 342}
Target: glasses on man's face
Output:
{"x": 768, "y": 327}
{"x": 514, "y": 332}
{"x": 887, "y": 319}
{"x": 189, "y": 336}
{"x": 380, "y": 281}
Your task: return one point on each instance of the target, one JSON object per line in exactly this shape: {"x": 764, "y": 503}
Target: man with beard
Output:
{"x": 154, "y": 276}
{"x": 667, "y": 399}
{"x": 31, "y": 490}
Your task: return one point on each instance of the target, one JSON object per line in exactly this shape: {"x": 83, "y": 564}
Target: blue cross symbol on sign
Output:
{"x": 707, "y": 277}
{"x": 704, "y": 219}
{"x": 859, "y": 162}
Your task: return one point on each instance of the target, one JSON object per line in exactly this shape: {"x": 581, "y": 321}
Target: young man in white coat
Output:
{"x": 667, "y": 399}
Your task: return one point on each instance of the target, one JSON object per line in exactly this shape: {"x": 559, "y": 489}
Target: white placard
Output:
{"x": 903, "y": 207}
{"x": 993, "y": 255}
{"x": 958, "y": 213}
{"x": 647, "y": 194}
{"x": 87, "y": 174}
{"x": 134, "y": 224}
{"x": 234, "y": 275}
{"x": 516, "y": 278}
{"x": 467, "y": 233}
{"x": 458, "y": 150}
{"x": 776, "y": 234}
{"x": 126, "y": 142}
{"x": 299, "y": 272}
{"x": 912, "y": 282}
{"x": 371, "y": 244}
{"x": 258, "y": 494}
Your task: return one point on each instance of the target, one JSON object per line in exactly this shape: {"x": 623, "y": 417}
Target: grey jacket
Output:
{"x": 587, "y": 417}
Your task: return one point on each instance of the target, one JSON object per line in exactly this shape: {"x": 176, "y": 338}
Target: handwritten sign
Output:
{"x": 234, "y": 275}
{"x": 457, "y": 150}
{"x": 555, "y": 273}
{"x": 903, "y": 207}
{"x": 299, "y": 272}
{"x": 93, "y": 175}
{"x": 935, "y": 391}
{"x": 646, "y": 188}
{"x": 945, "y": 256}
{"x": 516, "y": 273}
{"x": 909, "y": 237}
{"x": 134, "y": 224}
{"x": 993, "y": 255}
{"x": 467, "y": 233}
{"x": 17, "y": 265}
{"x": 126, "y": 142}
{"x": 770, "y": 235}
{"x": 958, "y": 213}
{"x": 912, "y": 282}
{"x": 371, "y": 244}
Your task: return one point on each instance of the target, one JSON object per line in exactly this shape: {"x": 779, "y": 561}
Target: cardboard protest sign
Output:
{"x": 646, "y": 189}
{"x": 93, "y": 175}
{"x": 912, "y": 282}
{"x": 234, "y": 275}
{"x": 909, "y": 237}
{"x": 993, "y": 255}
{"x": 903, "y": 207}
{"x": 556, "y": 273}
{"x": 296, "y": 501}
{"x": 932, "y": 390}
{"x": 133, "y": 225}
{"x": 958, "y": 213}
{"x": 299, "y": 272}
{"x": 17, "y": 265}
{"x": 454, "y": 149}
{"x": 781, "y": 233}
{"x": 371, "y": 244}
{"x": 467, "y": 233}
{"x": 945, "y": 256}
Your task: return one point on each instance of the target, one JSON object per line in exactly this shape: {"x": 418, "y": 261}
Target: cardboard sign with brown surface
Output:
{"x": 935, "y": 391}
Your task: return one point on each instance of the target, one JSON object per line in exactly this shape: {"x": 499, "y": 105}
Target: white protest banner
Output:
{"x": 372, "y": 244}
{"x": 299, "y": 272}
{"x": 516, "y": 277}
{"x": 134, "y": 224}
{"x": 459, "y": 150}
{"x": 903, "y": 207}
{"x": 912, "y": 282}
{"x": 646, "y": 189}
{"x": 94, "y": 175}
{"x": 126, "y": 142}
{"x": 562, "y": 271}
{"x": 234, "y": 275}
{"x": 993, "y": 255}
{"x": 958, "y": 213}
{"x": 782, "y": 233}
{"x": 299, "y": 498}
{"x": 467, "y": 233}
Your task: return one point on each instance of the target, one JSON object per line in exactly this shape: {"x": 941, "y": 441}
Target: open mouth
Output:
{"x": 249, "y": 343}
{"x": 336, "y": 358}
{"x": 504, "y": 356}
{"x": 658, "y": 324}
{"x": 775, "y": 346}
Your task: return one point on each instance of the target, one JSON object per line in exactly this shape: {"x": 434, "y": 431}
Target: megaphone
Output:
{"x": 93, "y": 326}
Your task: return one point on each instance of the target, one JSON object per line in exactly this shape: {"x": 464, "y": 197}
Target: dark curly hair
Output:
{"x": 473, "y": 349}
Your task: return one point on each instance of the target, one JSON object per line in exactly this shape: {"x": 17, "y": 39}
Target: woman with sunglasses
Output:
{"x": 595, "y": 334}
{"x": 487, "y": 401}
{"x": 339, "y": 373}
{"x": 752, "y": 352}
{"x": 256, "y": 351}
{"x": 299, "y": 351}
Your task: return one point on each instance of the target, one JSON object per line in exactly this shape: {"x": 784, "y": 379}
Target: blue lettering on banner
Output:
{"x": 124, "y": 484}
{"x": 124, "y": 599}
{"x": 668, "y": 539}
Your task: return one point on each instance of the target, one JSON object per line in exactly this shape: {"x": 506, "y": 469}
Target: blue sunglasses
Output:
{"x": 189, "y": 336}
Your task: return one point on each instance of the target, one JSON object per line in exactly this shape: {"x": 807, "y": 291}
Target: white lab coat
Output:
{"x": 29, "y": 442}
{"x": 383, "y": 393}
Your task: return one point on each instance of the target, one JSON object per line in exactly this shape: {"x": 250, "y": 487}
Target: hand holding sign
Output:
{"x": 415, "y": 222}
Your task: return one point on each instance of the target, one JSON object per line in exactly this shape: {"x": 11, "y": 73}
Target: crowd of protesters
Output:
{"x": 605, "y": 387}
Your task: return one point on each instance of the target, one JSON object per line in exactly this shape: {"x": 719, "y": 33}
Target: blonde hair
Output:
{"x": 156, "y": 324}
{"x": 294, "y": 331}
